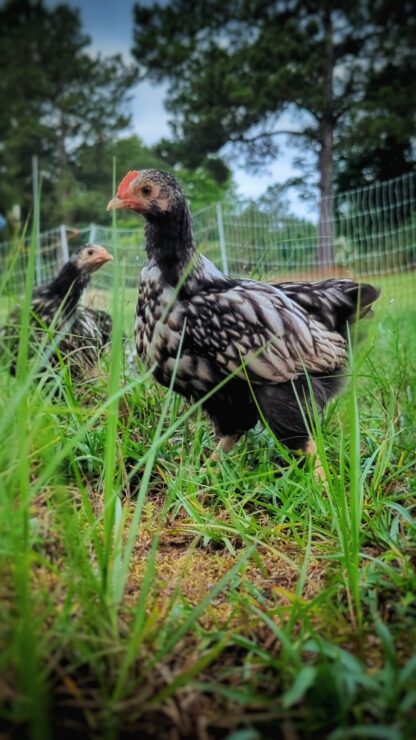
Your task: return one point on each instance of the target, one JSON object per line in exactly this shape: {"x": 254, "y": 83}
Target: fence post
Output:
{"x": 64, "y": 252}
{"x": 92, "y": 234}
{"x": 325, "y": 253}
{"x": 221, "y": 234}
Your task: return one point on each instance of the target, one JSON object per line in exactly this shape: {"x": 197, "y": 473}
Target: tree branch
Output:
{"x": 240, "y": 138}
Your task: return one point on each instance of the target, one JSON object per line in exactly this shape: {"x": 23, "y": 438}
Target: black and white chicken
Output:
{"x": 87, "y": 337}
{"x": 75, "y": 332}
{"x": 267, "y": 337}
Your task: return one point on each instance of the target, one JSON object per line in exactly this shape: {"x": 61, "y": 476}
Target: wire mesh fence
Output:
{"x": 373, "y": 233}
{"x": 52, "y": 251}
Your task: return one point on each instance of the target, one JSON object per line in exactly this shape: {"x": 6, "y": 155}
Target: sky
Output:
{"x": 109, "y": 23}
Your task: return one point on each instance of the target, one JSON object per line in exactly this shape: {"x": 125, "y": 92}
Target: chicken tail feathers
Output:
{"x": 364, "y": 297}
{"x": 335, "y": 303}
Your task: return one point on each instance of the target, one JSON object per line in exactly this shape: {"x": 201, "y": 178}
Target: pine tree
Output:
{"x": 235, "y": 68}
{"x": 56, "y": 96}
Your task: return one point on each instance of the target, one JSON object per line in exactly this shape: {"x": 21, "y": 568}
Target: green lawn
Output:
{"x": 147, "y": 589}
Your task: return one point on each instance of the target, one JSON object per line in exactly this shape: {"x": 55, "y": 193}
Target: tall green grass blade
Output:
{"x": 29, "y": 670}
{"x": 112, "y": 412}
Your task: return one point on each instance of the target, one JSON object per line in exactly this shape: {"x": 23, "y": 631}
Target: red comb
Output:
{"x": 126, "y": 181}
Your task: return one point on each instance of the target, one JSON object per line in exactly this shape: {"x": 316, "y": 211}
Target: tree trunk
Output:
{"x": 326, "y": 242}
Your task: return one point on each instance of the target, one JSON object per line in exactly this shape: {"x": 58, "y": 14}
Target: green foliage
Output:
{"x": 202, "y": 188}
{"x": 234, "y": 69}
{"x": 376, "y": 142}
{"x": 56, "y": 98}
{"x": 69, "y": 107}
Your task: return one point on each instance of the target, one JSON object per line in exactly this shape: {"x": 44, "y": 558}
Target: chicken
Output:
{"x": 75, "y": 332}
{"x": 260, "y": 341}
{"x": 88, "y": 336}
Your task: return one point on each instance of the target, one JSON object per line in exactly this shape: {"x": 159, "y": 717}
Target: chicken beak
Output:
{"x": 115, "y": 203}
{"x": 102, "y": 256}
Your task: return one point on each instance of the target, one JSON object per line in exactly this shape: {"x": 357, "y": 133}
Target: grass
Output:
{"x": 145, "y": 589}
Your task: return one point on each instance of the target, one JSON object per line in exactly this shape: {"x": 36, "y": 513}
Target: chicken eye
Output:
{"x": 90, "y": 252}
{"x": 146, "y": 190}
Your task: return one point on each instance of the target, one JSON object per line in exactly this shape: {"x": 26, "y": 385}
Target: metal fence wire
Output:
{"x": 373, "y": 233}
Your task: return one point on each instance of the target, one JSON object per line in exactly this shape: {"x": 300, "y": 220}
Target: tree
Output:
{"x": 94, "y": 165}
{"x": 56, "y": 97}
{"x": 202, "y": 187}
{"x": 377, "y": 141}
{"x": 235, "y": 68}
